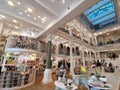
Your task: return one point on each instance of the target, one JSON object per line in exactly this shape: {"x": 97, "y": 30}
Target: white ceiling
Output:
{"x": 52, "y": 11}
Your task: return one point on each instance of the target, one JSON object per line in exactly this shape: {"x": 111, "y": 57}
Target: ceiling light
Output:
{"x": 20, "y": 13}
{"x": 63, "y": 1}
{"x": 35, "y": 18}
{"x": 28, "y": 15}
{"x": 29, "y": 10}
{"x": 10, "y": 25}
{"x": 15, "y": 21}
{"x": 38, "y": 16}
{"x": 43, "y": 22}
{"x": 21, "y": 25}
{"x": 16, "y": 27}
{"x": 43, "y": 19}
{"x": 19, "y": 3}
{"x": 11, "y": 3}
{"x": 25, "y": 11}
{"x": 56, "y": 37}
{"x": 2, "y": 16}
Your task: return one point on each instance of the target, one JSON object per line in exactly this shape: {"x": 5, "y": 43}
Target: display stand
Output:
{"x": 19, "y": 63}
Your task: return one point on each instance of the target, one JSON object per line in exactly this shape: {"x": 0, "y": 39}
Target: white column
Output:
{"x": 96, "y": 41}
{"x": 71, "y": 58}
{"x": 57, "y": 49}
{"x": 99, "y": 55}
{"x": 83, "y": 58}
{"x": 95, "y": 55}
{"x": 81, "y": 33}
{"x": 48, "y": 72}
{"x": 1, "y": 29}
{"x": 90, "y": 55}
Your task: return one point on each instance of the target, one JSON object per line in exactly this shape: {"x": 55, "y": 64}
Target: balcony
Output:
{"x": 109, "y": 47}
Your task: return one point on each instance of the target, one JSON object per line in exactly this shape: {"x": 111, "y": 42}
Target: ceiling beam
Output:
{"x": 88, "y": 21}
{"x": 40, "y": 3}
{"x": 79, "y": 9}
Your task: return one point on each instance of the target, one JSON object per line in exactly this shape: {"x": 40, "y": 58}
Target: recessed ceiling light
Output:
{"x": 63, "y": 1}
{"x": 2, "y": 16}
{"x": 21, "y": 25}
{"x": 20, "y": 13}
{"x": 16, "y": 27}
{"x": 38, "y": 16}
{"x": 35, "y": 18}
{"x": 11, "y": 3}
{"x": 43, "y": 22}
{"x": 19, "y": 3}
{"x": 15, "y": 21}
{"x": 29, "y": 10}
{"x": 10, "y": 25}
{"x": 25, "y": 11}
{"x": 28, "y": 15}
{"x": 43, "y": 19}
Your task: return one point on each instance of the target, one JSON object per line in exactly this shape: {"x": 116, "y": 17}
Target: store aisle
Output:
{"x": 38, "y": 85}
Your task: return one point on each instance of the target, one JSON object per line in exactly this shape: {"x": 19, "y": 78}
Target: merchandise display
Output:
{"x": 21, "y": 42}
{"x": 18, "y": 68}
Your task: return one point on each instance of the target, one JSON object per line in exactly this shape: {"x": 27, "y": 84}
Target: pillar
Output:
{"x": 1, "y": 29}
{"x": 90, "y": 55}
{"x": 95, "y": 56}
{"x": 57, "y": 49}
{"x": 96, "y": 41}
{"x": 48, "y": 72}
{"x": 83, "y": 57}
{"x": 71, "y": 59}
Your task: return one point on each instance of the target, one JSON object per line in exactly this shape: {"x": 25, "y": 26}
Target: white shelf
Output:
{"x": 20, "y": 50}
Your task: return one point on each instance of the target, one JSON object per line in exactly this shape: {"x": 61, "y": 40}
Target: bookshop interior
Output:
{"x": 59, "y": 44}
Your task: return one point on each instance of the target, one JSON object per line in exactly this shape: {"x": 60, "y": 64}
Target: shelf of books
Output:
{"x": 19, "y": 63}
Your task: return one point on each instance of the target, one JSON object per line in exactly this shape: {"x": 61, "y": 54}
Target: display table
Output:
{"x": 98, "y": 85}
{"x": 60, "y": 86}
{"x": 80, "y": 79}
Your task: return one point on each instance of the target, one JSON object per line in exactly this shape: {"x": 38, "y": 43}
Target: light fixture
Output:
{"x": 10, "y": 25}
{"x": 63, "y": 1}
{"x": 28, "y": 15}
{"x": 43, "y": 22}
{"x": 20, "y": 13}
{"x": 21, "y": 25}
{"x": 35, "y": 18}
{"x": 15, "y": 21}
{"x": 19, "y": 3}
{"x": 11, "y": 3}
{"x": 43, "y": 19}
{"x": 29, "y": 10}
{"x": 56, "y": 37}
{"x": 38, "y": 16}
{"x": 25, "y": 11}
{"x": 2, "y": 16}
{"x": 16, "y": 27}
